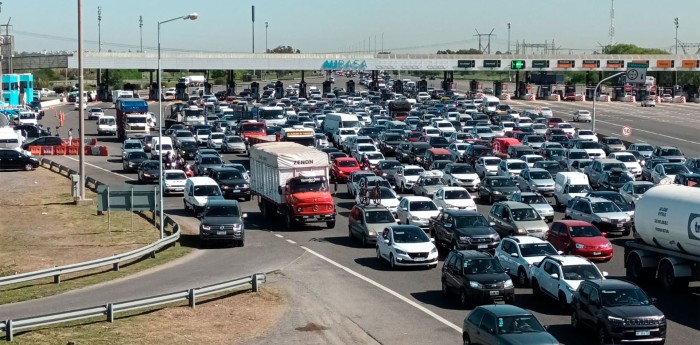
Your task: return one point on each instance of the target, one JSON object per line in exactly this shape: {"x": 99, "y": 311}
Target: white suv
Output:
{"x": 582, "y": 116}
{"x": 520, "y": 253}
{"x": 406, "y": 176}
{"x": 558, "y": 276}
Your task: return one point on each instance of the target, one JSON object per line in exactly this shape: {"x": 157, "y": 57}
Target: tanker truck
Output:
{"x": 666, "y": 242}
{"x": 291, "y": 181}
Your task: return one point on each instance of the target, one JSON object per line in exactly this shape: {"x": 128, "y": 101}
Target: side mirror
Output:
{"x": 654, "y": 300}
{"x": 554, "y": 276}
{"x": 605, "y": 234}
{"x": 605, "y": 273}
{"x": 432, "y": 240}
{"x": 448, "y": 225}
{"x": 439, "y": 208}
{"x": 507, "y": 270}
{"x": 515, "y": 255}
{"x": 387, "y": 241}
{"x": 492, "y": 223}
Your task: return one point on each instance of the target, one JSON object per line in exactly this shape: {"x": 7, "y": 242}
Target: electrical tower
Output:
{"x": 488, "y": 45}
{"x": 612, "y": 23}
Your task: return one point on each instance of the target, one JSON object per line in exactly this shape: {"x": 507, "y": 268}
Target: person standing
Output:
{"x": 70, "y": 136}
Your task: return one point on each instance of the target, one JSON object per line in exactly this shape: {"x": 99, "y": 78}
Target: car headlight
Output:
{"x": 616, "y": 320}
{"x": 522, "y": 231}
{"x": 605, "y": 219}
{"x": 626, "y": 219}
{"x": 414, "y": 218}
{"x": 495, "y": 192}
{"x": 237, "y": 226}
{"x": 400, "y": 252}
{"x": 298, "y": 209}
{"x": 608, "y": 245}
{"x": 383, "y": 174}
{"x": 372, "y": 233}
{"x": 464, "y": 238}
{"x": 476, "y": 285}
{"x": 434, "y": 250}
{"x": 225, "y": 187}
{"x": 508, "y": 284}
{"x": 206, "y": 227}
{"x": 579, "y": 246}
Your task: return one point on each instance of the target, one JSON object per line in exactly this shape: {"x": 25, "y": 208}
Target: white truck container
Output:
{"x": 568, "y": 185}
{"x": 667, "y": 237}
{"x": 117, "y": 94}
{"x": 292, "y": 180}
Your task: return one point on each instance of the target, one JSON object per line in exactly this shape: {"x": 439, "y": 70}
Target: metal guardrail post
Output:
{"x": 191, "y": 296}
{"x": 110, "y": 313}
{"x": 57, "y": 278}
{"x": 254, "y": 282}
{"x": 115, "y": 266}
{"x": 9, "y": 333}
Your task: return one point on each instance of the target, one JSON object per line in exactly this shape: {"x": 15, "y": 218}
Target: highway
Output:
{"x": 404, "y": 306}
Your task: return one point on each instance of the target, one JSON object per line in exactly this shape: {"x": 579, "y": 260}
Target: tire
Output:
{"x": 668, "y": 280}
{"x": 28, "y": 167}
{"x": 562, "y": 302}
{"x": 364, "y": 241}
{"x": 454, "y": 246}
{"x": 465, "y": 339}
{"x": 575, "y": 323}
{"x": 536, "y": 291}
{"x": 392, "y": 262}
{"x": 288, "y": 221}
{"x": 634, "y": 270}
{"x": 463, "y": 298}
{"x": 445, "y": 290}
{"x": 247, "y": 198}
{"x": 350, "y": 232}
{"x": 330, "y": 224}
{"x": 602, "y": 335}
{"x": 379, "y": 257}
{"x": 522, "y": 277}
{"x": 510, "y": 300}
{"x": 490, "y": 199}
{"x": 184, "y": 204}
{"x": 241, "y": 243}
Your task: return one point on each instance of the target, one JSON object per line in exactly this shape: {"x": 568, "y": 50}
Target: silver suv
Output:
{"x": 602, "y": 213}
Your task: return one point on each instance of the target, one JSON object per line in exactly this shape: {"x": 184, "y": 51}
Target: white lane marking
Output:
{"x": 386, "y": 289}
{"x": 278, "y": 235}
{"x": 103, "y": 169}
{"x": 654, "y": 133}
{"x": 292, "y": 242}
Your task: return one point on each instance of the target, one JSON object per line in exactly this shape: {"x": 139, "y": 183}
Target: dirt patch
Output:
{"x": 231, "y": 320}
{"x": 41, "y": 228}
{"x": 312, "y": 327}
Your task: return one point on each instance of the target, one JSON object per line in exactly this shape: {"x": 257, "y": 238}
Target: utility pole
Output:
{"x": 266, "y": 37}
{"x": 253, "y": 18}
{"x": 99, "y": 45}
{"x": 611, "y": 33}
{"x": 382, "y": 42}
{"x": 675, "y": 76}
{"x": 508, "y": 38}
{"x": 81, "y": 102}
{"x": 141, "y": 31}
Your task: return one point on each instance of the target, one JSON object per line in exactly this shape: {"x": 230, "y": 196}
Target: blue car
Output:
{"x": 506, "y": 325}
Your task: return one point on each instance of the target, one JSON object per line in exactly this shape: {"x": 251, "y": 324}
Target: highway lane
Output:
{"x": 422, "y": 286}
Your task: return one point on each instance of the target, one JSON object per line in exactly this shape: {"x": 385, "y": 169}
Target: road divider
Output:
{"x": 51, "y": 103}
{"x": 555, "y": 97}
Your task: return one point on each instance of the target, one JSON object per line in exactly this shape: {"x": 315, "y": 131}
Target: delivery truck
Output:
{"x": 291, "y": 181}
{"x": 666, "y": 242}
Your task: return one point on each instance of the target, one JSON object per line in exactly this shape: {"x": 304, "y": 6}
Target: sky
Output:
{"x": 407, "y": 26}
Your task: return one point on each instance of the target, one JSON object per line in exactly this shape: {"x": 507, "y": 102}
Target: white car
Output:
{"x": 174, "y": 181}
{"x": 95, "y": 113}
{"x": 567, "y": 128}
{"x": 558, "y": 276}
{"x": 630, "y": 162}
{"x": 531, "y": 159}
{"x": 487, "y": 166}
{"x": 406, "y": 246}
{"x": 461, "y": 175}
{"x": 202, "y": 136}
{"x": 423, "y": 96}
{"x": 76, "y": 105}
{"x": 445, "y": 127}
{"x": 215, "y": 140}
{"x": 454, "y": 198}
{"x": 233, "y": 143}
{"x": 649, "y": 102}
{"x": 416, "y": 210}
{"x": 362, "y": 149}
{"x": 406, "y": 176}
{"x": 582, "y": 116}
{"x": 520, "y": 253}
{"x": 431, "y": 131}
{"x": 546, "y": 112}
{"x": 586, "y": 134}
{"x": 511, "y": 167}
{"x": 388, "y": 199}
{"x": 666, "y": 98}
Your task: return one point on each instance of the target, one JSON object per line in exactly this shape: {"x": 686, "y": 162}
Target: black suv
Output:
{"x": 476, "y": 277}
{"x": 461, "y": 229}
{"x": 618, "y": 311}
{"x": 222, "y": 221}
{"x": 402, "y": 151}
{"x": 231, "y": 182}
{"x": 415, "y": 156}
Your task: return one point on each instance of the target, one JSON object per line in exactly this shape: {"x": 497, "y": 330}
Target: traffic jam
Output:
{"x": 495, "y": 197}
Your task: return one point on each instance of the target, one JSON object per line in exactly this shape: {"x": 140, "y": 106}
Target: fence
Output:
{"x": 111, "y": 309}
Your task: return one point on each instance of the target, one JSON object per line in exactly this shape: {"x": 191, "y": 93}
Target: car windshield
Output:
{"x": 482, "y": 266}
{"x": 462, "y": 169}
{"x": 675, "y": 169}
{"x": 604, "y": 207}
{"x": 589, "y": 145}
{"x": 188, "y": 144}
{"x": 230, "y": 175}
{"x": 641, "y": 189}
{"x": 626, "y": 158}
{"x": 491, "y": 162}
{"x": 211, "y": 160}
{"x": 132, "y": 145}
{"x": 537, "y": 249}
{"x": 222, "y": 211}
{"x": 471, "y": 221}
{"x": 517, "y": 166}
{"x": 423, "y": 206}
{"x": 207, "y": 190}
{"x": 585, "y": 133}
{"x": 608, "y": 167}
{"x": 310, "y": 184}
{"x": 671, "y": 152}
{"x": 519, "y": 324}
{"x": 108, "y": 121}
{"x": 578, "y": 155}
{"x": 217, "y": 136}
{"x": 613, "y": 141}
{"x": 584, "y": 163}
{"x": 439, "y": 165}
{"x": 183, "y": 134}
{"x": 431, "y": 181}
{"x": 457, "y": 194}
{"x": 534, "y": 199}
{"x": 379, "y": 216}
{"x": 412, "y": 172}
{"x": 535, "y": 139}
{"x": 502, "y": 182}
{"x": 619, "y": 178}
{"x": 389, "y": 165}
{"x": 584, "y": 231}
{"x": 137, "y": 155}
{"x": 410, "y": 235}
{"x": 175, "y": 176}
{"x": 234, "y": 140}
{"x": 525, "y": 214}
{"x": 347, "y": 163}
{"x": 578, "y": 188}
{"x": 203, "y": 132}
{"x": 623, "y": 297}
{"x": 386, "y": 193}
{"x": 581, "y": 272}
{"x": 374, "y": 155}
{"x": 643, "y": 148}
{"x": 565, "y": 125}
{"x": 540, "y": 175}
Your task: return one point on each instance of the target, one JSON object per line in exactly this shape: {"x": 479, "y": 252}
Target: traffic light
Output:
{"x": 517, "y": 64}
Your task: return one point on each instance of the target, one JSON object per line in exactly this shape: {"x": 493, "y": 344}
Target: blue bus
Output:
{"x": 26, "y": 86}
{"x": 10, "y": 89}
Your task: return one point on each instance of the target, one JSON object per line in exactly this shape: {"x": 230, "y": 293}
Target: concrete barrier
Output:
{"x": 657, "y": 99}
{"x": 603, "y": 98}
{"x": 627, "y": 99}
{"x": 580, "y": 98}
{"x": 679, "y": 99}
{"x": 528, "y": 97}
{"x": 504, "y": 97}
{"x": 51, "y": 103}
{"x": 555, "y": 97}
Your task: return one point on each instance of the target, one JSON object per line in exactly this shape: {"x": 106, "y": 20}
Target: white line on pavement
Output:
{"x": 292, "y": 242}
{"x": 386, "y": 289}
{"x": 278, "y": 235}
{"x": 103, "y": 169}
{"x": 654, "y": 133}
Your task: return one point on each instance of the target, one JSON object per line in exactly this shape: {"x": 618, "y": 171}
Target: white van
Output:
{"x": 107, "y": 124}
{"x": 167, "y": 147}
{"x": 11, "y": 139}
{"x": 333, "y": 121}
{"x": 568, "y": 185}
{"x": 198, "y": 191}
{"x": 27, "y": 118}
{"x": 489, "y": 104}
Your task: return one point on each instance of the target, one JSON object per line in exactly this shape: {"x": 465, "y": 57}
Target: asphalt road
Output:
{"x": 348, "y": 278}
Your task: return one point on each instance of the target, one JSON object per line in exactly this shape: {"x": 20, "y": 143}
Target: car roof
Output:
{"x": 515, "y": 204}
{"x": 226, "y": 202}
{"x": 504, "y": 309}
{"x": 513, "y": 160}
{"x": 527, "y": 193}
{"x": 570, "y": 260}
{"x": 525, "y": 239}
{"x": 412, "y": 198}
{"x": 613, "y": 283}
{"x": 470, "y": 254}
{"x": 457, "y": 212}
{"x": 572, "y": 222}
{"x": 173, "y": 171}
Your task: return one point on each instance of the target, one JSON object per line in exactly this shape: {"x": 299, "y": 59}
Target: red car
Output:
{"x": 413, "y": 136}
{"x": 580, "y": 238}
{"x": 342, "y": 167}
{"x": 553, "y": 121}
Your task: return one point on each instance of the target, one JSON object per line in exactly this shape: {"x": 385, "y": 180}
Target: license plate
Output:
{"x": 619, "y": 225}
{"x": 483, "y": 246}
{"x": 642, "y": 333}
{"x": 418, "y": 259}
{"x": 596, "y": 253}
{"x": 493, "y": 293}
{"x": 220, "y": 233}
{"x": 236, "y": 190}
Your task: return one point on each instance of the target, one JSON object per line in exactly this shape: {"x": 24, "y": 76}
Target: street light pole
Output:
{"x": 266, "y": 37}
{"x": 595, "y": 95}
{"x": 675, "y": 77}
{"x": 141, "y": 31}
{"x": 81, "y": 103}
{"x": 192, "y": 16}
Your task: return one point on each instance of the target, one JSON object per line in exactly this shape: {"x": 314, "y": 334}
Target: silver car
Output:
{"x": 516, "y": 218}
{"x": 537, "y": 201}
{"x": 536, "y": 180}
{"x": 632, "y": 191}
{"x": 233, "y": 143}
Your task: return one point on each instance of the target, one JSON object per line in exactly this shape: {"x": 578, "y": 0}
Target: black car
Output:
{"x": 614, "y": 179}
{"x": 202, "y": 163}
{"x": 149, "y": 171}
{"x": 476, "y": 277}
{"x": 497, "y": 188}
{"x": 438, "y": 142}
{"x": 618, "y": 311}
{"x": 388, "y": 143}
{"x": 222, "y": 221}
{"x": 402, "y": 151}
{"x": 474, "y": 152}
{"x": 14, "y": 160}
{"x": 461, "y": 229}
{"x": 231, "y": 182}
{"x": 188, "y": 149}
{"x": 330, "y": 149}
{"x": 687, "y": 179}
{"x": 693, "y": 164}
{"x": 417, "y": 151}
{"x": 32, "y": 131}
{"x": 615, "y": 197}
{"x": 43, "y": 141}
{"x": 387, "y": 169}
{"x": 133, "y": 160}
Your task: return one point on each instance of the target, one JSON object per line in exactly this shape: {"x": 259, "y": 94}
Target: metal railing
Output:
{"x": 111, "y": 309}
{"x": 114, "y": 261}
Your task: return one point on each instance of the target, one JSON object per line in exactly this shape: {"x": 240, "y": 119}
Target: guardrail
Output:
{"x": 111, "y": 309}
{"x": 114, "y": 261}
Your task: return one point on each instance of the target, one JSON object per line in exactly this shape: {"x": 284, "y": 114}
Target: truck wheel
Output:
{"x": 263, "y": 209}
{"x": 330, "y": 224}
{"x": 289, "y": 221}
{"x": 668, "y": 279}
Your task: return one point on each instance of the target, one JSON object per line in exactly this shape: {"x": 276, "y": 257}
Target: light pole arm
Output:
{"x": 595, "y": 96}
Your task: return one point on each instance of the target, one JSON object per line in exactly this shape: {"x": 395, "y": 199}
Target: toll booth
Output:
{"x": 497, "y": 88}
{"x": 448, "y": 78}
{"x": 207, "y": 89}
{"x": 279, "y": 90}
{"x": 302, "y": 89}
{"x": 180, "y": 92}
{"x": 255, "y": 89}
{"x": 350, "y": 85}
{"x": 590, "y": 93}
{"x": 326, "y": 87}
{"x": 618, "y": 92}
{"x": 422, "y": 85}
{"x": 522, "y": 88}
{"x": 398, "y": 86}
{"x": 231, "y": 88}
{"x": 543, "y": 91}
{"x": 153, "y": 91}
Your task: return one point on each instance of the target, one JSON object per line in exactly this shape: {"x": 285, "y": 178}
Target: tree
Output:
{"x": 623, "y": 48}
{"x": 282, "y": 50}
{"x": 117, "y": 77}
{"x": 470, "y": 51}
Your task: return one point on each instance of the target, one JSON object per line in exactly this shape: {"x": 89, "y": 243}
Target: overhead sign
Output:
{"x": 636, "y": 73}
{"x": 540, "y": 63}
{"x": 590, "y": 63}
{"x": 344, "y": 65}
{"x": 690, "y": 63}
{"x": 615, "y": 63}
{"x": 466, "y": 63}
{"x": 566, "y": 63}
{"x": 492, "y": 63}
{"x": 517, "y": 64}
{"x": 665, "y": 63}
{"x": 626, "y": 131}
